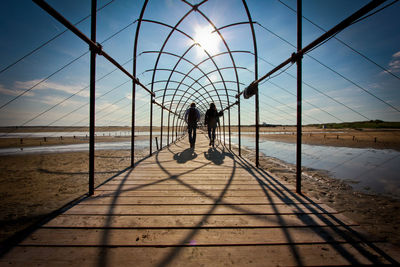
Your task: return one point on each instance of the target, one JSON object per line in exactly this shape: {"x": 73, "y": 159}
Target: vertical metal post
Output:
{"x": 229, "y": 128}
{"x": 169, "y": 118}
{"x": 257, "y": 130}
{"x": 174, "y": 129}
{"x": 256, "y": 77}
{"x": 299, "y": 98}
{"x": 239, "y": 130}
{"x": 223, "y": 122}
{"x": 135, "y": 46}
{"x": 161, "y": 130}
{"x": 133, "y": 124}
{"x": 92, "y": 99}
{"x": 151, "y": 124}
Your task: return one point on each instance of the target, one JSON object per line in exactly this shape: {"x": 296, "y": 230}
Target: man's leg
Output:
{"x": 194, "y": 135}
{"x": 190, "y": 132}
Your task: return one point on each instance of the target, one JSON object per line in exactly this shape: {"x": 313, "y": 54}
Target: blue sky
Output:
{"x": 339, "y": 84}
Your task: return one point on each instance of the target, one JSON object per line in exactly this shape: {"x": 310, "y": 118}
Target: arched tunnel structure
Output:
{"x": 203, "y": 81}
{"x": 188, "y": 56}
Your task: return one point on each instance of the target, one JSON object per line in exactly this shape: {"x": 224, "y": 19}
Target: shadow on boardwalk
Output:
{"x": 185, "y": 207}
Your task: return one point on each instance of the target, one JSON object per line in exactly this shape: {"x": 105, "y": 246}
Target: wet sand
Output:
{"x": 50, "y": 141}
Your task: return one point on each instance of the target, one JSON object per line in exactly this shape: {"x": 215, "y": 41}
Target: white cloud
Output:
{"x": 46, "y": 85}
{"x": 53, "y": 100}
{"x": 13, "y": 92}
{"x": 142, "y": 96}
{"x": 128, "y": 96}
{"x": 396, "y": 54}
{"x": 394, "y": 64}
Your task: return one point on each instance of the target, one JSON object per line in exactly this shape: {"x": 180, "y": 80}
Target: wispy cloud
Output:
{"x": 46, "y": 85}
{"x": 394, "y": 64}
{"x": 54, "y": 100}
{"x": 13, "y": 92}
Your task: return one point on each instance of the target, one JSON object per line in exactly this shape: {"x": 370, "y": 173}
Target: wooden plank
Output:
{"x": 202, "y": 181}
{"x": 116, "y": 200}
{"x": 181, "y": 185}
{"x": 187, "y": 237}
{"x": 264, "y": 255}
{"x": 150, "y": 192}
{"x": 200, "y": 209}
{"x": 207, "y": 220}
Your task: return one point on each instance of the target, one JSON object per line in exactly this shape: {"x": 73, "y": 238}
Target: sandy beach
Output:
{"x": 34, "y": 185}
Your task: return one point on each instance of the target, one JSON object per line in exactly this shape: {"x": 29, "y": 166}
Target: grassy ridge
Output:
{"x": 376, "y": 124}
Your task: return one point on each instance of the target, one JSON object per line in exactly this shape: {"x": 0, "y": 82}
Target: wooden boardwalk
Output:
{"x": 205, "y": 207}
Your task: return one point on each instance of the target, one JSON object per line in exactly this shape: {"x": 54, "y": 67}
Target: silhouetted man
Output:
{"x": 192, "y": 116}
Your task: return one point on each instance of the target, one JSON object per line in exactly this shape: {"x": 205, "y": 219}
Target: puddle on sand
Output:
{"x": 73, "y": 148}
{"x": 365, "y": 169}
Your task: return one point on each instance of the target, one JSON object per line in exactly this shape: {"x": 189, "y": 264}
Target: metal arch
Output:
{"x": 163, "y": 81}
{"x": 175, "y": 28}
{"x": 166, "y": 39}
{"x": 191, "y": 87}
{"x": 224, "y": 102}
{"x": 206, "y": 75}
{"x": 256, "y": 77}
{"x": 185, "y": 75}
{"x": 173, "y": 81}
{"x": 169, "y": 78}
{"x": 195, "y": 8}
{"x": 134, "y": 85}
{"x": 234, "y": 24}
{"x": 137, "y": 31}
{"x": 188, "y": 36}
{"x": 197, "y": 98}
{"x": 190, "y": 62}
{"x": 187, "y": 98}
{"x": 230, "y": 55}
{"x": 197, "y": 80}
{"x": 222, "y": 77}
{"x": 169, "y": 101}
{"x": 172, "y": 89}
{"x": 201, "y": 62}
{"x": 158, "y": 57}
{"x": 216, "y": 90}
{"x": 197, "y": 65}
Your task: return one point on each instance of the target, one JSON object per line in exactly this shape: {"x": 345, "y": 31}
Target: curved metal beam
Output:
{"x": 133, "y": 84}
{"x": 256, "y": 77}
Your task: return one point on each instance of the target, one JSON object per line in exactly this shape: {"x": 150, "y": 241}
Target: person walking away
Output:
{"x": 192, "y": 116}
{"x": 211, "y": 120}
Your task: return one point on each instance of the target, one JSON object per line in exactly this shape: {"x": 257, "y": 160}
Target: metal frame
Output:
{"x": 175, "y": 103}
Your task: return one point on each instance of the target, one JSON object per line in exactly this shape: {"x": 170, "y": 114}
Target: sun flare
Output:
{"x": 207, "y": 39}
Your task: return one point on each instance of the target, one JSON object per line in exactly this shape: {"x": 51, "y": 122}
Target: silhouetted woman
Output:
{"x": 211, "y": 120}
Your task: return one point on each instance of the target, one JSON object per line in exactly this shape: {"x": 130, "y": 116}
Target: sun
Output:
{"x": 207, "y": 40}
